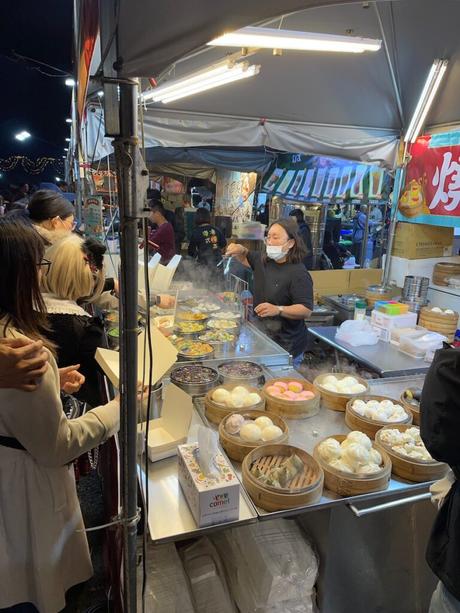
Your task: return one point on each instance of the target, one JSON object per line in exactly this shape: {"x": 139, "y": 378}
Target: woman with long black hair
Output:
{"x": 43, "y": 546}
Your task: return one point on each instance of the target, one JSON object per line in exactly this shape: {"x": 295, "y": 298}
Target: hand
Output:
{"x": 70, "y": 379}
{"x": 265, "y": 309}
{"x": 166, "y": 301}
{"x": 235, "y": 249}
{"x": 22, "y": 363}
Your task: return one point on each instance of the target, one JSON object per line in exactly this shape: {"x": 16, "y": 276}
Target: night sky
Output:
{"x": 29, "y": 100}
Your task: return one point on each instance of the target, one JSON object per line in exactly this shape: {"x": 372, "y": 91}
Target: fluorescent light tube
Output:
{"x": 270, "y": 38}
{"x": 24, "y": 135}
{"x": 425, "y": 101}
{"x": 203, "y": 80}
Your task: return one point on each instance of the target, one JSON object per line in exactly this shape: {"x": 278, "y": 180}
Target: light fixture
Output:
{"x": 201, "y": 81}
{"x": 68, "y": 120}
{"x": 57, "y": 179}
{"x": 270, "y": 38}
{"x": 64, "y": 157}
{"x": 100, "y": 93}
{"x": 65, "y": 149}
{"x": 70, "y": 82}
{"x": 67, "y": 140}
{"x": 425, "y": 101}
{"x": 23, "y": 135}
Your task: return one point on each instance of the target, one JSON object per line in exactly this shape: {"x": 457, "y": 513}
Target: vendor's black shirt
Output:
{"x": 282, "y": 285}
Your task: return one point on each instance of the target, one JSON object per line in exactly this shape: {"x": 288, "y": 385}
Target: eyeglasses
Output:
{"x": 45, "y": 266}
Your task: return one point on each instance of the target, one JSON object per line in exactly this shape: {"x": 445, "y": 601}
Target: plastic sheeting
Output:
{"x": 187, "y": 131}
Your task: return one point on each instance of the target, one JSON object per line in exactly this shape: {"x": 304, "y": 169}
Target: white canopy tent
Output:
{"x": 344, "y": 105}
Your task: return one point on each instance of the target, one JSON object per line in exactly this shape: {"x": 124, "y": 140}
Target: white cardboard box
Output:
{"x": 384, "y": 323}
{"x": 214, "y": 499}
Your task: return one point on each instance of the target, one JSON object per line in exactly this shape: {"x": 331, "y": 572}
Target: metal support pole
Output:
{"x": 399, "y": 181}
{"x": 132, "y": 184}
{"x": 365, "y": 238}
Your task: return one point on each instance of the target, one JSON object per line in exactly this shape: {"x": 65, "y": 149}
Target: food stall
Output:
{"x": 346, "y": 534}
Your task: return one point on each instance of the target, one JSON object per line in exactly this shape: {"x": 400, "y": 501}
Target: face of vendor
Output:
{"x": 278, "y": 237}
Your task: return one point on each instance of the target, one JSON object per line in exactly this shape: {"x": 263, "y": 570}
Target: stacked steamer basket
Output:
{"x": 194, "y": 378}
{"x": 374, "y": 293}
{"x": 263, "y": 465}
{"x": 443, "y": 271}
{"x": 438, "y": 320}
{"x": 337, "y": 400}
{"x": 415, "y": 292}
{"x": 404, "y": 466}
{"x": 233, "y": 441}
{"x": 378, "y": 412}
{"x": 291, "y": 398}
{"x": 241, "y": 372}
{"x": 410, "y": 400}
{"x": 218, "y": 404}
{"x": 341, "y": 479}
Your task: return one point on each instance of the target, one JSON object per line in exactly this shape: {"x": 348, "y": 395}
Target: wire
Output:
{"x": 149, "y": 397}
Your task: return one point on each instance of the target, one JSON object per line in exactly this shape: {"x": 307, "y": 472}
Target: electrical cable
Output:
{"x": 150, "y": 379}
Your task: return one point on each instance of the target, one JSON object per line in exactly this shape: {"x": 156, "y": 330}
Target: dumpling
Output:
{"x": 330, "y": 387}
{"x": 349, "y": 381}
{"x": 263, "y": 422}
{"x": 355, "y": 455}
{"x": 330, "y": 379}
{"x": 368, "y": 469}
{"x": 234, "y": 423}
{"x": 375, "y": 457}
{"x": 255, "y": 398}
{"x": 270, "y": 433}
{"x": 250, "y": 432}
{"x": 436, "y": 310}
{"x": 330, "y": 450}
{"x": 359, "y": 388}
{"x": 360, "y": 438}
{"x": 340, "y": 465}
{"x": 239, "y": 390}
{"x": 220, "y": 395}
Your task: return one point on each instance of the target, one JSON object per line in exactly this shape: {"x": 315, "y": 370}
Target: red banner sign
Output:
{"x": 432, "y": 188}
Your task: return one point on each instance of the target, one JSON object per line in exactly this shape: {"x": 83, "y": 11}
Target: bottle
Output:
{"x": 247, "y": 304}
{"x": 360, "y": 309}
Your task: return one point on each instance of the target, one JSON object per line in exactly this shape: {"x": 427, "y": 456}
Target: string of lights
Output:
{"x": 34, "y": 167}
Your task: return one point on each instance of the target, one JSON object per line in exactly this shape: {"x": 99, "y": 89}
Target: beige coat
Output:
{"x": 43, "y": 550}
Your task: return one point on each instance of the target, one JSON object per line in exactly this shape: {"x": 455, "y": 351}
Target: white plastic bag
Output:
{"x": 357, "y": 333}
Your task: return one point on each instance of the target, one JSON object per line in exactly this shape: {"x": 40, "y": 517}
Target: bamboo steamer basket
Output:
{"x": 443, "y": 271}
{"x": 292, "y": 409}
{"x": 371, "y": 426}
{"x": 442, "y": 323}
{"x": 236, "y": 448}
{"x": 345, "y": 484}
{"x": 408, "y": 468}
{"x": 373, "y": 296}
{"x": 215, "y": 412}
{"x": 309, "y": 485}
{"x": 334, "y": 400}
{"x": 412, "y": 408}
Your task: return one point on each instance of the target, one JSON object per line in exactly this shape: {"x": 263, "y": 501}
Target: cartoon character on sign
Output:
{"x": 413, "y": 202}
{"x": 447, "y": 195}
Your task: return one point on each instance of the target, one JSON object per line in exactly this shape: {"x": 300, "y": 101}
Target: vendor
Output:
{"x": 283, "y": 289}
{"x": 161, "y": 240}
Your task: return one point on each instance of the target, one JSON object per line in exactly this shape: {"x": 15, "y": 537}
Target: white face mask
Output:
{"x": 275, "y": 252}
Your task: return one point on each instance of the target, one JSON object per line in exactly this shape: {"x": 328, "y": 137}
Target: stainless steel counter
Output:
{"x": 382, "y": 358}
{"x": 170, "y": 518}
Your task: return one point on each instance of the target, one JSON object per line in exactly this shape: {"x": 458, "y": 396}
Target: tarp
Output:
{"x": 329, "y": 104}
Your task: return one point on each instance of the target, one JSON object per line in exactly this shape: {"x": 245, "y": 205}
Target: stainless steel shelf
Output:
{"x": 382, "y": 358}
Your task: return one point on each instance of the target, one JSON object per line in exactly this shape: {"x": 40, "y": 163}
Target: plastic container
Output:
{"x": 398, "y": 333}
{"x": 360, "y": 309}
{"x": 418, "y": 346}
{"x": 391, "y": 307}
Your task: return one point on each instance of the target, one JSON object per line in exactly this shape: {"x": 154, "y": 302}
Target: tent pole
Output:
{"x": 399, "y": 181}
{"x": 129, "y": 188}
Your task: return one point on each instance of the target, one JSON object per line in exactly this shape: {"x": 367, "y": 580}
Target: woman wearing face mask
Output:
{"x": 283, "y": 289}
{"x": 51, "y": 214}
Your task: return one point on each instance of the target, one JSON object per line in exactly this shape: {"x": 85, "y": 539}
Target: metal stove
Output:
{"x": 343, "y": 304}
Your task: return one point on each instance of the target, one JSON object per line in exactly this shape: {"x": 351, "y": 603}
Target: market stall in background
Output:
{"x": 235, "y": 440}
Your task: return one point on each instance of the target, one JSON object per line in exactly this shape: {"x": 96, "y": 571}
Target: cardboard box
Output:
{"x": 360, "y": 279}
{"x": 330, "y": 282}
{"x": 214, "y": 499}
{"x": 384, "y": 323}
{"x": 416, "y": 241}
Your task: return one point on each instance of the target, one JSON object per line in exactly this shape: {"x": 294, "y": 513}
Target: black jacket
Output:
{"x": 305, "y": 234}
{"x": 77, "y": 337}
{"x": 440, "y": 430}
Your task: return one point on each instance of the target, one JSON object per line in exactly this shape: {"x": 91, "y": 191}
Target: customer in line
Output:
{"x": 43, "y": 546}
{"x": 52, "y": 215}
{"x": 283, "y": 288}
{"x": 305, "y": 234}
{"x": 76, "y": 276}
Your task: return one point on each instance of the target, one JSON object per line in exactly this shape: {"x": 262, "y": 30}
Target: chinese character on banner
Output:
{"x": 447, "y": 182}
{"x": 431, "y": 194}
